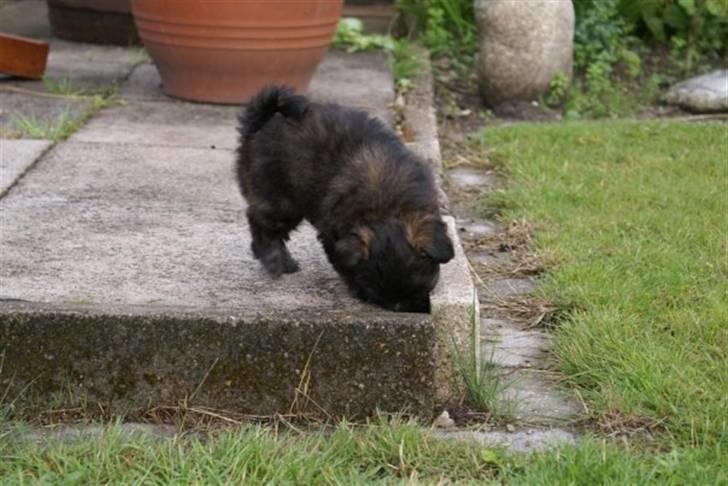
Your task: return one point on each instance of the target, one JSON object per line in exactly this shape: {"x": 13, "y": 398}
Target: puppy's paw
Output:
{"x": 291, "y": 265}
{"x": 277, "y": 262}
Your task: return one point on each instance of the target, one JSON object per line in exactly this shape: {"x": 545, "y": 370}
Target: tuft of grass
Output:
{"x": 483, "y": 384}
{"x": 405, "y": 63}
{"x": 65, "y": 124}
{"x": 57, "y": 129}
{"x": 485, "y": 388}
{"x": 63, "y": 86}
{"x": 635, "y": 214}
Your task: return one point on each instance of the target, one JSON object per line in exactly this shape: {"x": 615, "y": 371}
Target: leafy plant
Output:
{"x": 603, "y": 40}
{"x": 557, "y": 90}
{"x": 350, "y": 36}
{"x": 404, "y": 63}
{"x": 445, "y": 26}
{"x": 402, "y": 58}
{"x": 695, "y": 29}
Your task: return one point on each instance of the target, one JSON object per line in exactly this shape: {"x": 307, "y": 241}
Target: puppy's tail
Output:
{"x": 271, "y": 100}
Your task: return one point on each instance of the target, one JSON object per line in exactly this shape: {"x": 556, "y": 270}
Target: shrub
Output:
{"x": 695, "y": 29}
{"x": 445, "y": 26}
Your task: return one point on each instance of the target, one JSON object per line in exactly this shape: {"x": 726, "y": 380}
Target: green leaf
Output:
{"x": 717, "y": 8}
{"x": 688, "y": 6}
{"x": 654, "y": 23}
{"x": 676, "y": 18}
{"x": 489, "y": 456}
{"x": 351, "y": 24}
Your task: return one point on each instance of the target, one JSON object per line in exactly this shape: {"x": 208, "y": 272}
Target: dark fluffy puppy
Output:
{"x": 372, "y": 201}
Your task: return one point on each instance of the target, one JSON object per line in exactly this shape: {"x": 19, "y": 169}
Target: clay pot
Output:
{"x": 227, "y": 52}
{"x": 94, "y": 21}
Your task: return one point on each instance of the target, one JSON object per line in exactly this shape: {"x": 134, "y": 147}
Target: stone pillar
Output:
{"x": 523, "y": 45}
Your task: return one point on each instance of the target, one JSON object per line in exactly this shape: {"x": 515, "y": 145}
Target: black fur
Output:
{"x": 372, "y": 201}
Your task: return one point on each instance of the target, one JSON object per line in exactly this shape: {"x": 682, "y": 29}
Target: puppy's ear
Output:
{"x": 353, "y": 248}
{"x": 429, "y": 235}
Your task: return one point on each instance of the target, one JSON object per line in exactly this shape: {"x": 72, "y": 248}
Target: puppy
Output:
{"x": 371, "y": 200}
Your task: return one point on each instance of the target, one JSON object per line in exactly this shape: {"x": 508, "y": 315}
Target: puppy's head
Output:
{"x": 395, "y": 263}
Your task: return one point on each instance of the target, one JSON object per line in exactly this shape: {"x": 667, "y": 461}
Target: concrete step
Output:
{"x": 127, "y": 359}
{"x": 126, "y": 280}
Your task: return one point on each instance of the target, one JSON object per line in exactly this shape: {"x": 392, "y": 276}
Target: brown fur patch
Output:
{"x": 417, "y": 229}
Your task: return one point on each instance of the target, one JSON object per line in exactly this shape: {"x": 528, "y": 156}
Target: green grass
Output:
{"x": 390, "y": 452}
{"x": 482, "y": 383}
{"x": 383, "y": 452}
{"x": 63, "y": 86}
{"x": 632, "y": 217}
{"x": 60, "y": 128}
{"x": 63, "y": 125}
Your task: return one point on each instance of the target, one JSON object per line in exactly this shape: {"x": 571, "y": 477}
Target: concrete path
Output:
{"x": 125, "y": 271}
{"x": 543, "y": 413}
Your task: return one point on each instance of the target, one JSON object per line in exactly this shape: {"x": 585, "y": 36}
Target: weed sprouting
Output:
{"x": 484, "y": 385}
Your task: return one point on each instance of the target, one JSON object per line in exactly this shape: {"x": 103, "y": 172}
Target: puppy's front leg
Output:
{"x": 269, "y": 236}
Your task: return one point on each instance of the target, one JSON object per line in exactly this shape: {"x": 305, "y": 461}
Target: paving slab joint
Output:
{"x": 17, "y": 158}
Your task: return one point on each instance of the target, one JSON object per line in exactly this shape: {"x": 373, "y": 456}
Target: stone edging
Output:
{"x": 455, "y": 307}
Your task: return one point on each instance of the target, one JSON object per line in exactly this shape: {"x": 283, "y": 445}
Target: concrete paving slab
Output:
{"x": 67, "y": 433}
{"x": 362, "y": 79}
{"x": 471, "y": 180}
{"x": 338, "y": 79}
{"x": 107, "y": 225}
{"x": 129, "y": 359}
{"x": 100, "y": 225}
{"x": 169, "y": 124}
{"x": 510, "y": 347}
{"x": 16, "y": 157}
{"x": 97, "y": 232}
{"x": 489, "y": 259}
{"x": 42, "y": 111}
{"x": 527, "y": 440}
{"x": 472, "y": 228}
{"x": 501, "y": 288}
{"x": 537, "y": 398}
{"x": 152, "y": 118}
{"x": 27, "y": 18}
{"x": 85, "y": 67}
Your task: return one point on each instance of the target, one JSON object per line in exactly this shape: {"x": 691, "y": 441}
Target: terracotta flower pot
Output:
{"x": 225, "y": 51}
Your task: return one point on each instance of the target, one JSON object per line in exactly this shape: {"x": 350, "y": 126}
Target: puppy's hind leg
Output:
{"x": 270, "y": 232}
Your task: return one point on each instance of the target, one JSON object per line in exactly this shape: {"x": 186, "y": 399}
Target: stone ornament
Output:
{"x": 523, "y": 45}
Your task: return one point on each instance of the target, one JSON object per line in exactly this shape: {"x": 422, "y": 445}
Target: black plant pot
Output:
{"x": 93, "y": 21}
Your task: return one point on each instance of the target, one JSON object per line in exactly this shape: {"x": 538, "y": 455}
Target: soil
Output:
{"x": 461, "y": 112}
